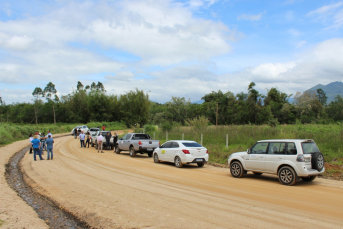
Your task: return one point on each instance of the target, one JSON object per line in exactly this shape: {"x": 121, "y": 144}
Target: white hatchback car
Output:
{"x": 289, "y": 159}
{"x": 181, "y": 152}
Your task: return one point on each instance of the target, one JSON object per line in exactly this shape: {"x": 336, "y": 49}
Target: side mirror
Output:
{"x": 120, "y": 138}
{"x": 249, "y": 151}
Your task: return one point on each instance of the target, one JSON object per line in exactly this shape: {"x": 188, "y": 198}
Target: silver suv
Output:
{"x": 289, "y": 159}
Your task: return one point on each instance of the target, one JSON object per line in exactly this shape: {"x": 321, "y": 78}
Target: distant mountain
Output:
{"x": 331, "y": 90}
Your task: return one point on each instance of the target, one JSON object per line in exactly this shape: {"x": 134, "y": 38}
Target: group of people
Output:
{"x": 100, "y": 140}
{"x": 40, "y": 142}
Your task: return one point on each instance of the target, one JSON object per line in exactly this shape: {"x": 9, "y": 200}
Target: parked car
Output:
{"x": 83, "y": 128}
{"x": 92, "y": 132}
{"x": 94, "y": 141}
{"x": 181, "y": 152}
{"x": 137, "y": 143}
{"x": 289, "y": 159}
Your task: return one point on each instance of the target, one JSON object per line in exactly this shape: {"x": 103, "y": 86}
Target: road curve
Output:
{"x": 110, "y": 190}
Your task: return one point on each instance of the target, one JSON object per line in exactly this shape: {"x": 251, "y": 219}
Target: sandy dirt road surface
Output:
{"x": 110, "y": 190}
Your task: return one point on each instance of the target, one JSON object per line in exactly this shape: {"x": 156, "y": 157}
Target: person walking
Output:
{"x": 31, "y": 138}
{"x": 99, "y": 141}
{"x": 49, "y": 145}
{"x": 36, "y": 147}
{"x": 108, "y": 140}
{"x": 88, "y": 138}
{"x": 75, "y": 132}
{"x": 82, "y": 139}
{"x": 115, "y": 139}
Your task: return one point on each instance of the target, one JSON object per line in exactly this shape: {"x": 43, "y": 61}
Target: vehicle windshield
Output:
{"x": 94, "y": 129}
{"x": 309, "y": 147}
{"x": 191, "y": 144}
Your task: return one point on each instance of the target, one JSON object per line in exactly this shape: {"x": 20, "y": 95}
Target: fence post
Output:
{"x": 166, "y": 135}
{"x": 201, "y": 140}
{"x": 183, "y": 136}
{"x": 227, "y": 141}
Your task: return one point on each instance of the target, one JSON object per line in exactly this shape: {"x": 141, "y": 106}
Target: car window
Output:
{"x": 141, "y": 136}
{"x": 277, "y": 148}
{"x": 259, "y": 148}
{"x": 309, "y": 147}
{"x": 128, "y": 136}
{"x": 84, "y": 126}
{"x": 174, "y": 145}
{"x": 191, "y": 144}
{"x": 166, "y": 145}
{"x": 291, "y": 149}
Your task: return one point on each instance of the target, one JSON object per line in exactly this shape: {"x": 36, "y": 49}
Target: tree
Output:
{"x": 37, "y": 93}
{"x": 50, "y": 90}
{"x": 321, "y": 96}
{"x": 79, "y": 86}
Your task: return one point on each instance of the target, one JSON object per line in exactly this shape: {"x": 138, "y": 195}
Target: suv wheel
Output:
{"x": 178, "y": 162}
{"x": 201, "y": 164}
{"x": 236, "y": 169}
{"x": 287, "y": 176}
{"x": 308, "y": 179}
{"x": 317, "y": 161}
{"x": 150, "y": 154}
{"x": 156, "y": 160}
{"x": 117, "y": 150}
{"x": 132, "y": 152}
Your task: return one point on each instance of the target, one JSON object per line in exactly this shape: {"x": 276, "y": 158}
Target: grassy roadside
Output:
{"x": 329, "y": 139}
{"x": 11, "y": 132}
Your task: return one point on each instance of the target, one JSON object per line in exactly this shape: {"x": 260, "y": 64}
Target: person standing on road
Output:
{"x": 103, "y": 128}
{"x": 108, "y": 140}
{"x": 49, "y": 134}
{"x": 82, "y": 139}
{"x": 75, "y": 132}
{"x": 42, "y": 140}
{"x": 115, "y": 139}
{"x": 36, "y": 147}
{"x": 88, "y": 138}
{"x": 31, "y": 138}
{"x": 99, "y": 141}
{"x": 49, "y": 145}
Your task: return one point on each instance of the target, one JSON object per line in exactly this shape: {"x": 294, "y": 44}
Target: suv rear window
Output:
{"x": 309, "y": 147}
{"x": 191, "y": 144}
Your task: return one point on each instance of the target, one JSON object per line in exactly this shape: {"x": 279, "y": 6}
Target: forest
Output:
{"x": 91, "y": 103}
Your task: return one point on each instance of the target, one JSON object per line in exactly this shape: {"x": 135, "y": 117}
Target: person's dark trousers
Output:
{"x": 87, "y": 142}
{"x": 36, "y": 151}
{"x": 108, "y": 145}
{"x": 31, "y": 149}
{"x": 82, "y": 143}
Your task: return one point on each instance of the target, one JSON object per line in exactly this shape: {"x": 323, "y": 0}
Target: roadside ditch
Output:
{"x": 48, "y": 210}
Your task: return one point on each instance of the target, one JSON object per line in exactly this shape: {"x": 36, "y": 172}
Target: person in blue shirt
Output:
{"x": 36, "y": 147}
{"x": 49, "y": 145}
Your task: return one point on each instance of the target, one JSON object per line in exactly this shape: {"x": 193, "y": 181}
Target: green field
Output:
{"x": 10, "y": 132}
{"x": 240, "y": 137}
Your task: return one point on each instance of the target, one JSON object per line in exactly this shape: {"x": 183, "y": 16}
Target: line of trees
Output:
{"x": 91, "y": 103}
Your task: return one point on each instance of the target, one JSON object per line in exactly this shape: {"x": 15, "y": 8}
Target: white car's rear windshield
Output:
{"x": 191, "y": 144}
{"x": 309, "y": 147}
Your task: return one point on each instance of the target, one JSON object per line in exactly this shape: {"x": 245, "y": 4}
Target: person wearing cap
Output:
{"x": 99, "y": 141}
{"x": 36, "y": 147}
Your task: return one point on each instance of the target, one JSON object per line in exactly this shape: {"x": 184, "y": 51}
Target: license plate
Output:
{"x": 199, "y": 159}
{"x": 149, "y": 149}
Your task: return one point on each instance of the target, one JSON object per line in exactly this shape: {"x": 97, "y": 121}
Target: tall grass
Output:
{"x": 328, "y": 137}
{"x": 10, "y": 132}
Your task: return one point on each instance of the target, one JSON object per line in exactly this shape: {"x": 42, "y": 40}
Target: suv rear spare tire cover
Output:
{"x": 317, "y": 161}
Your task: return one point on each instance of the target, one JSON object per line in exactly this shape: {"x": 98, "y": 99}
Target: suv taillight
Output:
{"x": 139, "y": 143}
{"x": 207, "y": 151}
{"x": 185, "y": 151}
{"x": 300, "y": 158}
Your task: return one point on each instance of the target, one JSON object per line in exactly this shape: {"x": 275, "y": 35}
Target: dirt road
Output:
{"x": 116, "y": 191}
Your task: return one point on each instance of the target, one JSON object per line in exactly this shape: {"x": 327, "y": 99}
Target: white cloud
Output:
{"x": 332, "y": 15}
{"x": 250, "y": 17}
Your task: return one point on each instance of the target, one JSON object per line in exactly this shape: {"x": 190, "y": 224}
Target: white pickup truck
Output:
{"x": 289, "y": 159}
{"x": 136, "y": 143}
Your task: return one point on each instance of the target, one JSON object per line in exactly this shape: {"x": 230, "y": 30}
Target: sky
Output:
{"x": 169, "y": 48}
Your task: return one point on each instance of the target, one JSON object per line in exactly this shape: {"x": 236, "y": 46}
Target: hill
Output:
{"x": 331, "y": 90}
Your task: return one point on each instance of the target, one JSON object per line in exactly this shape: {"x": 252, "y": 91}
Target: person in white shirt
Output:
{"x": 49, "y": 134}
{"x": 82, "y": 137}
{"x": 99, "y": 140}
{"x": 31, "y": 138}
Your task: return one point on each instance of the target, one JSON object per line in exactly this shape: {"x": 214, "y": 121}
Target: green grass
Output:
{"x": 11, "y": 132}
{"x": 329, "y": 138}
